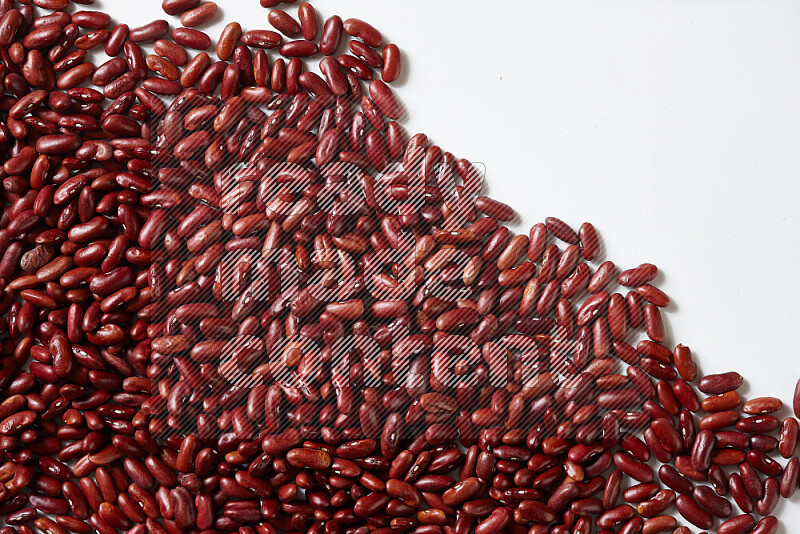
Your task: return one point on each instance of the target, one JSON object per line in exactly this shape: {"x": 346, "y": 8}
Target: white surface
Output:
{"x": 673, "y": 126}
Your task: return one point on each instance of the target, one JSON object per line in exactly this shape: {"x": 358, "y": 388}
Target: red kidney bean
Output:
{"x": 176, "y": 7}
{"x": 739, "y": 493}
{"x": 767, "y": 525}
{"x": 93, "y": 20}
{"x": 684, "y": 363}
{"x": 284, "y": 23}
{"x": 711, "y": 502}
{"x": 737, "y": 525}
{"x": 392, "y": 63}
{"x": 562, "y": 231}
{"x": 638, "y": 276}
{"x": 308, "y": 21}
{"x": 692, "y": 512}
{"x": 299, "y": 49}
{"x": 720, "y": 383}
{"x": 227, "y": 40}
{"x": 674, "y": 479}
{"x": 149, "y": 32}
{"x": 789, "y": 480}
{"x": 191, "y": 38}
{"x": 762, "y": 405}
{"x": 361, "y": 30}
{"x": 199, "y": 15}
{"x": 334, "y": 76}
{"x": 366, "y": 54}
{"x": 601, "y": 277}
{"x": 769, "y": 501}
{"x": 653, "y": 323}
{"x": 721, "y": 402}
{"x": 105, "y": 73}
{"x": 796, "y": 400}
{"x": 788, "y": 437}
{"x": 116, "y": 40}
{"x": 702, "y": 450}
{"x": 615, "y": 516}
{"x": 331, "y": 36}
{"x": 385, "y": 100}
{"x": 633, "y": 468}
{"x": 492, "y": 208}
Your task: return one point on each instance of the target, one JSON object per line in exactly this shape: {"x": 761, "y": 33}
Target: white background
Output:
{"x": 673, "y": 126}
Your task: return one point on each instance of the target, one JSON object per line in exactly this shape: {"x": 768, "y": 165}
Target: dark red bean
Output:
{"x": 334, "y": 76}
{"x": 176, "y": 7}
{"x": 392, "y": 63}
{"x": 767, "y": 525}
{"x": 331, "y": 36}
{"x": 562, "y": 231}
{"x": 737, "y": 525}
{"x": 720, "y": 383}
{"x": 692, "y": 512}
{"x": 299, "y": 49}
{"x": 191, "y": 38}
{"x": 199, "y": 15}
{"x": 711, "y": 502}
{"x": 308, "y": 21}
{"x": 284, "y": 23}
{"x": 149, "y": 32}
{"x": 796, "y": 400}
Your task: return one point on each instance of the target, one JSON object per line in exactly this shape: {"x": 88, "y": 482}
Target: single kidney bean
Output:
{"x": 392, "y": 63}
{"x": 385, "y": 100}
{"x": 790, "y": 477}
{"x": 299, "y": 49}
{"x": 737, "y": 525}
{"x": 767, "y": 503}
{"x": 284, "y": 23}
{"x": 601, "y": 277}
{"x": 739, "y": 493}
{"x": 149, "y": 32}
{"x": 788, "y": 437}
{"x": 262, "y": 39}
{"x": 119, "y": 34}
{"x": 199, "y": 15}
{"x": 191, "y": 38}
{"x": 692, "y": 512}
{"x": 720, "y": 383}
{"x": 684, "y": 364}
{"x": 366, "y": 54}
{"x": 796, "y": 400}
{"x": 767, "y": 525}
{"x": 308, "y": 21}
{"x": 638, "y": 276}
{"x": 362, "y": 30}
{"x": 227, "y": 40}
{"x": 176, "y": 7}
{"x": 711, "y": 502}
{"x": 331, "y": 36}
{"x": 334, "y": 76}
{"x": 721, "y": 402}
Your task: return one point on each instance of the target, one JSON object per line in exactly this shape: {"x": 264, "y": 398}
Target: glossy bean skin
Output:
{"x": 362, "y": 30}
{"x": 331, "y": 35}
{"x": 191, "y": 38}
{"x": 199, "y": 15}
{"x": 392, "y": 63}
{"x": 284, "y": 23}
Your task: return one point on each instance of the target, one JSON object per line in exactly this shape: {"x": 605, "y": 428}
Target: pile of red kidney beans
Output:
{"x": 240, "y": 298}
